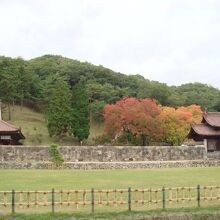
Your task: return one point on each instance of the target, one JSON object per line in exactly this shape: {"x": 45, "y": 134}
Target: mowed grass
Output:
{"x": 34, "y": 127}
{"x": 202, "y": 213}
{"x": 107, "y": 179}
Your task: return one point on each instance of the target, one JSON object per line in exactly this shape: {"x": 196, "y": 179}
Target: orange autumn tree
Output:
{"x": 137, "y": 119}
{"x": 176, "y": 123}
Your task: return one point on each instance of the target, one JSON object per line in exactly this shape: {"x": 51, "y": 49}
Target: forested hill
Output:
{"x": 29, "y": 82}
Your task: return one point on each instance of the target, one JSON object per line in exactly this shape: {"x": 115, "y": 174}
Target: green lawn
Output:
{"x": 100, "y": 179}
{"x": 104, "y": 179}
{"x": 211, "y": 213}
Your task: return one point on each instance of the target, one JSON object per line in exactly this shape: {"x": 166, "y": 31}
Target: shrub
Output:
{"x": 55, "y": 155}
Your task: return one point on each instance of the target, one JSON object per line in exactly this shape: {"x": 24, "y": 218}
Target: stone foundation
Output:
{"x": 106, "y": 157}
{"x": 213, "y": 155}
{"x": 103, "y": 153}
{"x": 111, "y": 165}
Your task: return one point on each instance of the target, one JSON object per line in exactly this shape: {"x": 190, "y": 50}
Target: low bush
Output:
{"x": 55, "y": 155}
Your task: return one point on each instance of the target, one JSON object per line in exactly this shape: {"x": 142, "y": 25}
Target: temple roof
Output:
{"x": 5, "y": 127}
{"x": 212, "y": 118}
{"x": 208, "y": 128}
{"x": 205, "y": 130}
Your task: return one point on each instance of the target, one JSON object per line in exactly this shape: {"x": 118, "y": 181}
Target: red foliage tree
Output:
{"x": 132, "y": 116}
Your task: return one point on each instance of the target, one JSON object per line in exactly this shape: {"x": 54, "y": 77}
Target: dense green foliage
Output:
{"x": 96, "y": 109}
{"x": 55, "y": 155}
{"x": 32, "y": 80}
{"x": 18, "y": 82}
{"x": 58, "y": 113}
{"x": 80, "y": 112}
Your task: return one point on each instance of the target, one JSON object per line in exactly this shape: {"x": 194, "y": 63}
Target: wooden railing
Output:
{"x": 130, "y": 199}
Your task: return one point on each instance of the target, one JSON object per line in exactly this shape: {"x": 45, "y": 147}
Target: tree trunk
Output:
{"x": 22, "y": 101}
{"x": 143, "y": 137}
{"x": 9, "y": 111}
{"x": 61, "y": 137}
{"x": 13, "y": 105}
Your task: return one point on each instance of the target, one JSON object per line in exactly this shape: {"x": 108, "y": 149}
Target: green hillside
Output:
{"x": 33, "y": 80}
{"x": 33, "y": 125}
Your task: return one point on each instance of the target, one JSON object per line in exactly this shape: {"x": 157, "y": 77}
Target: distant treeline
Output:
{"x": 31, "y": 83}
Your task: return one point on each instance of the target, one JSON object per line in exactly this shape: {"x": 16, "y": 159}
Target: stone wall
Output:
{"x": 27, "y": 154}
{"x": 213, "y": 155}
{"x": 111, "y": 165}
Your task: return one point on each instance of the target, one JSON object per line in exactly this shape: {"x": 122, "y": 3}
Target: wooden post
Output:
{"x": 129, "y": 199}
{"x": 92, "y": 201}
{"x": 198, "y": 195}
{"x": 53, "y": 200}
{"x": 164, "y": 197}
{"x": 13, "y": 201}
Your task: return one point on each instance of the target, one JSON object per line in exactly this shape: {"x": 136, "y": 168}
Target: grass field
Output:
{"x": 101, "y": 179}
{"x": 211, "y": 213}
{"x": 31, "y": 180}
{"x": 33, "y": 125}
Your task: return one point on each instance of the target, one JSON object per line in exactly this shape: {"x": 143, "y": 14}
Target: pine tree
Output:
{"x": 59, "y": 110}
{"x": 80, "y": 112}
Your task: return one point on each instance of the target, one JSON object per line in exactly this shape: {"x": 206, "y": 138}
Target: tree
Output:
{"x": 200, "y": 94}
{"x": 58, "y": 114}
{"x": 216, "y": 106}
{"x": 8, "y": 81}
{"x": 18, "y": 84}
{"x": 96, "y": 109}
{"x": 80, "y": 112}
{"x": 160, "y": 92}
{"x": 136, "y": 118}
{"x": 176, "y": 123}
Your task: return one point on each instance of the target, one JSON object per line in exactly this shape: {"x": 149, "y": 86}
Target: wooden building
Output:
{"x": 9, "y": 134}
{"x": 208, "y": 131}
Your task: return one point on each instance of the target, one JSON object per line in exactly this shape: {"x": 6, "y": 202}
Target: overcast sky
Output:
{"x": 169, "y": 41}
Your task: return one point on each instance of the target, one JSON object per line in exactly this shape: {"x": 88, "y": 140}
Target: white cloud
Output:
{"x": 166, "y": 40}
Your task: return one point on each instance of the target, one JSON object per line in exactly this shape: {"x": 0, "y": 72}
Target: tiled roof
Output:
{"x": 212, "y": 118}
{"x": 205, "y": 130}
{"x": 5, "y": 126}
